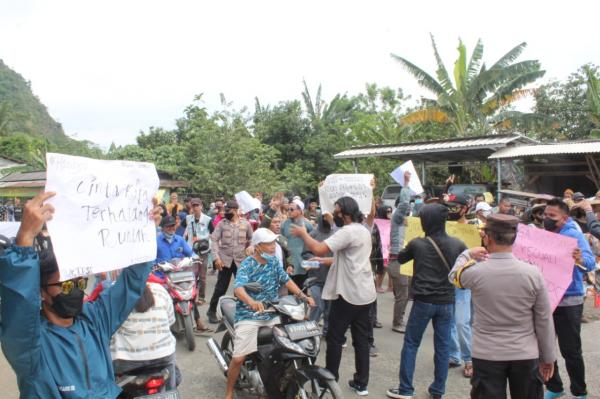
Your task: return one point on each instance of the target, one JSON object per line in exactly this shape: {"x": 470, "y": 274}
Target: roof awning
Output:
{"x": 581, "y": 148}
{"x": 451, "y": 150}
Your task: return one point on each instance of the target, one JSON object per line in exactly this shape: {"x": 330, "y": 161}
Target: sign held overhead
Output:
{"x": 102, "y": 213}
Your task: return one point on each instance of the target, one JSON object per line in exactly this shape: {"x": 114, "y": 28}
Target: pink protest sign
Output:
{"x": 552, "y": 254}
{"x": 384, "y": 231}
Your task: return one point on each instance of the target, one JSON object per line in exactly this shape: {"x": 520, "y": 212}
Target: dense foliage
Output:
{"x": 289, "y": 146}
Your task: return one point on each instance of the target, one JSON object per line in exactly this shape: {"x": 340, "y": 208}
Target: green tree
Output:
{"x": 474, "y": 94}
{"x": 593, "y": 100}
{"x": 567, "y": 103}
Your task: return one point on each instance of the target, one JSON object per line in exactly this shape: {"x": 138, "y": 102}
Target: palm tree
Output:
{"x": 474, "y": 100}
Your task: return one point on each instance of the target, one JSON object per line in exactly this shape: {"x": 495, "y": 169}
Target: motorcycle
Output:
{"x": 180, "y": 282}
{"x": 283, "y": 367}
{"x": 149, "y": 382}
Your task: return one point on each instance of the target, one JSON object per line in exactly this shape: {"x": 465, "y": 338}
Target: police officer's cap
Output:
{"x": 501, "y": 223}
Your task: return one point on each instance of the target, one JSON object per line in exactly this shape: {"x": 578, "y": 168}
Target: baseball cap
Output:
{"x": 231, "y": 204}
{"x": 483, "y": 206}
{"x": 578, "y": 196}
{"x": 459, "y": 199}
{"x": 262, "y": 235}
{"x": 168, "y": 221}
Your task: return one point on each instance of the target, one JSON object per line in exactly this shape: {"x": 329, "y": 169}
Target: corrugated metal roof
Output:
{"x": 25, "y": 176}
{"x": 491, "y": 143}
{"x": 583, "y": 147}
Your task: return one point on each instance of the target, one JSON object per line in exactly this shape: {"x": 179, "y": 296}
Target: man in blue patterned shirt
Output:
{"x": 263, "y": 267}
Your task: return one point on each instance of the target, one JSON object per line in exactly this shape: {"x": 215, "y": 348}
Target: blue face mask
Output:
{"x": 418, "y": 201}
{"x": 168, "y": 236}
{"x": 268, "y": 257}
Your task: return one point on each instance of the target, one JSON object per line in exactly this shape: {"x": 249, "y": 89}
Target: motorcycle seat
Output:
{"x": 228, "y": 310}
{"x": 265, "y": 335}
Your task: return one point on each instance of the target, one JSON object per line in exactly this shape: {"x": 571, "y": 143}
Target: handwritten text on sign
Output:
{"x": 102, "y": 218}
{"x": 357, "y": 186}
{"x": 552, "y": 254}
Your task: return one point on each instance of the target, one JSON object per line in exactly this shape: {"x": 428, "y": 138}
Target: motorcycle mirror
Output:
{"x": 309, "y": 282}
{"x": 254, "y": 287}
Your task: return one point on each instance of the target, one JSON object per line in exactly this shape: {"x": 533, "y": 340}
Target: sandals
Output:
{"x": 202, "y": 331}
{"x": 468, "y": 371}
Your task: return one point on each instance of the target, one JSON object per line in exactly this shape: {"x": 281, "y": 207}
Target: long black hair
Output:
{"x": 146, "y": 301}
{"x": 349, "y": 206}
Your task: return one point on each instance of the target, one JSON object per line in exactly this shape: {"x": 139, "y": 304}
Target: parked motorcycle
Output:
{"x": 180, "y": 282}
{"x": 283, "y": 367}
{"x": 148, "y": 382}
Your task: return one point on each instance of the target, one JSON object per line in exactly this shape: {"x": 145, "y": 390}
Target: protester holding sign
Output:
{"x": 62, "y": 351}
{"x": 513, "y": 333}
{"x": 567, "y": 316}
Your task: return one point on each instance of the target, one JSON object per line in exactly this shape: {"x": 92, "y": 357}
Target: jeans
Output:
{"x": 201, "y": 276}
{"x": 489, "y": 379}
{"x": 567, "y": 323}
{"x": 222, "y": 285}
{"x": 460, "y": 345}
{"x": 401, "y": 285}
{"x": 342, "y": 316}
{"x": 441, "y": 316}
{"x": 320, "y": 310}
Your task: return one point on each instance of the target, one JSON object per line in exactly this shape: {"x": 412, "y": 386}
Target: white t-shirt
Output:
{"x": 350, "y": 274}
{"x": 146, "y": 336}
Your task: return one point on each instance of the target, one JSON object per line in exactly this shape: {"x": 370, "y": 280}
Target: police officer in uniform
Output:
{"x": 513, "y": 331}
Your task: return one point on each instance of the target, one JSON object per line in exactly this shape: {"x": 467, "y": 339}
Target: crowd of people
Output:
{"x": 490, "y": 311}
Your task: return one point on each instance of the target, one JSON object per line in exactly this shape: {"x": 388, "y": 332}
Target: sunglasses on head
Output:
{"x": 67, "y": 286}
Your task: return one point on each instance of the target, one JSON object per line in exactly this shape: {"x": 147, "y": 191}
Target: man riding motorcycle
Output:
{"x": 171, "y": 246}
{"x": 262, "y": 267}
{"x": 62, "y": 350}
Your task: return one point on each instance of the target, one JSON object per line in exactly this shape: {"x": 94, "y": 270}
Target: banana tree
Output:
{"x": 474, "y": 94}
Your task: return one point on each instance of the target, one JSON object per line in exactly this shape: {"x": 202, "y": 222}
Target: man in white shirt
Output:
{"x": 349, "y": 286}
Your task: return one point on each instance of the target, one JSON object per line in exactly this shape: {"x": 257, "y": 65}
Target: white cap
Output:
{"x": 483, "y": 206}
{"x": 299, "y": 203}
{"x": 263, "y": 235}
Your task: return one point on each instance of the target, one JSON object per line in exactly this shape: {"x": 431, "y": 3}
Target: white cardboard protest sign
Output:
{"x": 102, "y": 213}
{"x": 246, "y": 202}
{"x": 357, "y": 186}
{"x": 414, "y": 183}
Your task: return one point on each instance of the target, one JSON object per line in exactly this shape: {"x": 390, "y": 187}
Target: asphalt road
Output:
{"x": 202, "y": 378}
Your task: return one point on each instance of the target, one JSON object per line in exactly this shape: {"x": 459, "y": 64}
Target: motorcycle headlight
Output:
{"x": 282, "y": 339}
{"x": 296, "y": 312}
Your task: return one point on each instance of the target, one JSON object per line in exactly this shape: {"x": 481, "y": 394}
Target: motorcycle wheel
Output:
{"x": 333, "y": 390}
{"x": 189, "y": 332}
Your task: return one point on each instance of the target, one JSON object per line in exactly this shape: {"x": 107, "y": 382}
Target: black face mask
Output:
{"x": 338, "y": 220}
{"x": 550, "y": 224}
{"x": 68, "y": 305}
{"x": 229, "y": 215}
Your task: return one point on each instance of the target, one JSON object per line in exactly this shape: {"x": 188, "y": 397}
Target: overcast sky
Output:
{"x": 108, "y": 69}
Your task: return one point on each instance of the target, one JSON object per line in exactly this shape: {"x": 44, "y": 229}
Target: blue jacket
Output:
{"x": 53, "y": 362}
{"x": 178, "y": 248}
{"x": 589, "y": 262}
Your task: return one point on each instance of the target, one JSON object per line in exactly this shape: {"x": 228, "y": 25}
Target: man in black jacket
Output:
{"x": 433, "y": 299}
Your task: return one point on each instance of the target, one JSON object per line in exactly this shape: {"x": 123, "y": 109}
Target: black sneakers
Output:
{"x": 359, "y": 389}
